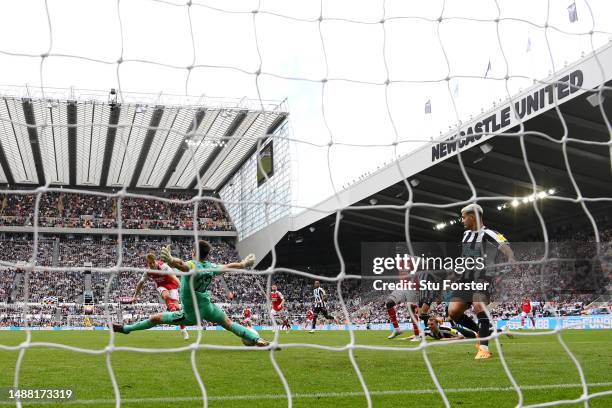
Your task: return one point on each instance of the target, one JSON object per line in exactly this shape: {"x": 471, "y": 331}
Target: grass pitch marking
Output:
{"x": 320, "y": 394}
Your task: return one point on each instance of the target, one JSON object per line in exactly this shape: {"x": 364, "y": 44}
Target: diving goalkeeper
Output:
{"x": 200, "y": 282}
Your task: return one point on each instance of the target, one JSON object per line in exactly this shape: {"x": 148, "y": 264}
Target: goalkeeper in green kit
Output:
{"x": 200, "y": 282}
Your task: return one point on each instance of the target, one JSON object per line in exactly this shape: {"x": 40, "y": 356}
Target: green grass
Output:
{"x": 316, "y": 377}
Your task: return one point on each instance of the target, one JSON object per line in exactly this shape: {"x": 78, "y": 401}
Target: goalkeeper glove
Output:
{"x": 248, "y": 261}
{"x": 166, "y": 254}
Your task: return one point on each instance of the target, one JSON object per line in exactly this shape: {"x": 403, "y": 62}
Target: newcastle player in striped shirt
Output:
{"x": 319, "y": 306}
{"x": 478, "y": 242}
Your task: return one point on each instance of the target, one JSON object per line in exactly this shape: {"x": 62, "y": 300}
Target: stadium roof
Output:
{"x": 496, "y": 169}
{"x": 95, "y": 139}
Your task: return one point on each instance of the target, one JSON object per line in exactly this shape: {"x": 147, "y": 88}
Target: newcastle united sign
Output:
{"x": 527, "y": 106}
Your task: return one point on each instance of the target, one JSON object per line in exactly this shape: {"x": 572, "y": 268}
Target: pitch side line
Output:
{"x": 318, "y": 395}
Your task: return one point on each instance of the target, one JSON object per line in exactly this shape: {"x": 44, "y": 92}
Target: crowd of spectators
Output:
{"x": 68, "y": 286}
{"x": 67, "y": 210}
{"x": 558, "y": 285}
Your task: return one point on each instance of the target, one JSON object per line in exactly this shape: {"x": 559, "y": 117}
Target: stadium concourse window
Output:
{"x": 265, "y": 166}
{"x": 245, "y": 195}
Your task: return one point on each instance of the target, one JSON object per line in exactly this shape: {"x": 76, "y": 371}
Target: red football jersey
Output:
{"x": 526, "y": 306}
{"x": 277, "y": 299}
{"x": 247, "y": 313}
{"x": 161, "y": 280}
{"x": 309, "y": 315}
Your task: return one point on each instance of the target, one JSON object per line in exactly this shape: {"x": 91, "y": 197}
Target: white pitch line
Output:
{"x": 319, "y": 394}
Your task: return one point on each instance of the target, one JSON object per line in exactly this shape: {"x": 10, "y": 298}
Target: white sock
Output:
{"x": 485, "y": 347}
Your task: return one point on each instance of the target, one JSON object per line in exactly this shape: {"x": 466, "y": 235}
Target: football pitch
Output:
{"x": 316, "y": 377}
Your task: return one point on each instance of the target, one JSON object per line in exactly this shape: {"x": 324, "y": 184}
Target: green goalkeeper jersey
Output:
{"x": 201, "y": 281}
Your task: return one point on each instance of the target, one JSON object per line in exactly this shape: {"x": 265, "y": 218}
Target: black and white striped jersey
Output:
{"x": 319, "y": 297}
{"x": 483, "y": 243}
{"x": 442, "y": 333}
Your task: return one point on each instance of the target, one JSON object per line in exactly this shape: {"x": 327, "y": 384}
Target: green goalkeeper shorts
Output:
{"x": 208, "y": 312}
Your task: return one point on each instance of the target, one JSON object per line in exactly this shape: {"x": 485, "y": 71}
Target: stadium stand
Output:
{"x": 56, "y": 298}
{"x": 91, "y": 211}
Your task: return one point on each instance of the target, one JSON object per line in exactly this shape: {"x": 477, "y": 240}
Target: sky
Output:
{"x": 350, "y": 48}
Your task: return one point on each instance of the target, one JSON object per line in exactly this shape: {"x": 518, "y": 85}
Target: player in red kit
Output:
{"x": 408, "y": 297}
{"x": 246, "y": 321}
{"x": 309, "y": 316}
{"x": 167, "y": 286}
{"x": 526, "y": 310}
{"x": 278, "y": 301}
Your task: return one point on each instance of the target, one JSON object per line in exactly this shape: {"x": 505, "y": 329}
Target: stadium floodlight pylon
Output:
{"x": 257, "y": 75}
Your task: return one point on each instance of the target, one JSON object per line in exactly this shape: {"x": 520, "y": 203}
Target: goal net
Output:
{"x": 369, "y": 91}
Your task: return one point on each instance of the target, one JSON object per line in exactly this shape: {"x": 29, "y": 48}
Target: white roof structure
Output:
{"x": 96, "y": 139}
{"x": 574, "y": 80}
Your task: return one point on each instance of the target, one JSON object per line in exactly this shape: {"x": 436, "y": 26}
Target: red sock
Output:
{"x": 522, "y": 322}
{"x": 415, "y": 327}
{"x": 393, "y": 317}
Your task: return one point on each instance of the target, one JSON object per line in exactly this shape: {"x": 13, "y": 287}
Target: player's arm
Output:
{"x": 166, "y": 255}
{"x": 282, "y": 298}
{"x": 139, "y": 286}
{"x": 176, "y": 263}
{"x": 502, "y": 244}
{"x": 247, "y": 262}
{"x": 454, "y": 335}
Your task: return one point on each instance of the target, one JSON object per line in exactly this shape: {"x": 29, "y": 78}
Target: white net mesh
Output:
{"x": 392, "y": 73}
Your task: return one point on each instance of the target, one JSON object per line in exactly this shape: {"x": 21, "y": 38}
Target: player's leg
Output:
{"x": 242, "y": 332}
{"x": 411, "y": 299}
{"x": 424, "y": 312}
{"x": 413, "y": 312}
{"x": 172, "y": 305}
{"x": 456, "y": 311}
{"x": 314, "y": 319}
{"x": 329, "y": 316}
{"x": 281, "y": 318}
{"x": 213, "y": 313}
{"x": 466, "y": 333}
{"x": 533, "y": 325}
{"x": 155, "y": 320}
{"x": 276, "y": 318}
{"x": 523, "y": 314}
{"x": 484, "y": 329}
{"x": 504, "y": 330}
{"x": 423, "y": 315}
{"x": 395, "y": 298}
